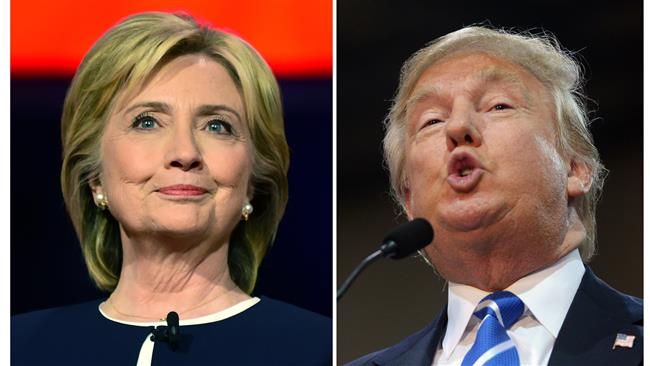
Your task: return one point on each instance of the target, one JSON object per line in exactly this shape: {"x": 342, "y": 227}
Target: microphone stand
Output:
{"x": 369, "y": 259}
{"x": 399, "y": 243}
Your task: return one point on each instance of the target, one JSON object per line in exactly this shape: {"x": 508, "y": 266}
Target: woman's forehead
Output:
{"x": 195, "y": 79}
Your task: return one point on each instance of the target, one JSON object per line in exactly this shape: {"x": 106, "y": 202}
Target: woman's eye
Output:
{"x": 144, "y": 122}
{"x": 219, "y": 127}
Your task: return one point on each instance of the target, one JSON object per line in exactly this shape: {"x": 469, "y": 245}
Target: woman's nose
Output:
{"x": 184, "y": 152}
{"x": 461, "y": 127}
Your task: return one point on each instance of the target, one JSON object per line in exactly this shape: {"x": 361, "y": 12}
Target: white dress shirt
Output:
{"x": 546, "y": 294}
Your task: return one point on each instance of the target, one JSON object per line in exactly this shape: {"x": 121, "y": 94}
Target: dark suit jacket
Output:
{"x": 269, "y": 333}
{"x": 597, "y": 314}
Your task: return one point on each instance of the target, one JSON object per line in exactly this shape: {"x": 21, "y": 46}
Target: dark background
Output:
{"x": 47, "y": 268}
{"x": 374, "y": 37}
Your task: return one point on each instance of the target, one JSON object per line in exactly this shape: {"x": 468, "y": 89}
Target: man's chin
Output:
{"x": 471, "y": 215}
{"x": 467, "y": 222}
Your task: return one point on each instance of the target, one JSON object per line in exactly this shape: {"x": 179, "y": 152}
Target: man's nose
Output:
{"x": 183, "y": 151}
{"x": 461, "y": 126}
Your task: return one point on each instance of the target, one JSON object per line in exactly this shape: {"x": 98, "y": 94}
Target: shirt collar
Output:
{"x": 562, "y": 280}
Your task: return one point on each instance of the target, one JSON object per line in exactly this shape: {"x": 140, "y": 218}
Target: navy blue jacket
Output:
{"x": 268, "y": 333}
{"x": 597, "y": 314}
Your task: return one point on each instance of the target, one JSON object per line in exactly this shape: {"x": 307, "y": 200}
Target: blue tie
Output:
{"x": 492, "y": 346}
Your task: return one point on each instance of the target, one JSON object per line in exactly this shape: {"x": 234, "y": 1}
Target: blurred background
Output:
{"x": 48, "y": 41}
{"x": 392, "y": 300}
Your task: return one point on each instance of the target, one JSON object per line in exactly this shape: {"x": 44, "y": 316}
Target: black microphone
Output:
{"x": 172, "y": 334}
{"x": 407, "y": 238}
{"x": 173, "y": 329}
{"x": 403, "y": 241}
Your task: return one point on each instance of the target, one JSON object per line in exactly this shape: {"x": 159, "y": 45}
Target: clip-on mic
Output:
{"x": 171, "y": 334}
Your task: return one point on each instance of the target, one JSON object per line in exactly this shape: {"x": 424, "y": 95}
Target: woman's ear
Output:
{"x": 95, "y": 186}
{"x": 579, "y": 179}
{"x": 250, "y": 193}
{"x": 99, "y": 196}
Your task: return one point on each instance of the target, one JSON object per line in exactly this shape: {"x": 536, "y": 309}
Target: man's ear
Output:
{"x": 579, "y": 179}
{"x": 407, "y": 203}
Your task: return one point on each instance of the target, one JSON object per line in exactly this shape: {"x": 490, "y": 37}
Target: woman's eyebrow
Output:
{"x": 155, "y": 106}
{"x": 210, "y": 109}
{"x": 203, "y": 110}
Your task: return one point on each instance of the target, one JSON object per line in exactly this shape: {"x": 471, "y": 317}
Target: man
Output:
{"x": 488, "y": 140}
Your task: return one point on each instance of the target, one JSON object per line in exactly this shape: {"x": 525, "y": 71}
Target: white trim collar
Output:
{"x": 210, "y": 318}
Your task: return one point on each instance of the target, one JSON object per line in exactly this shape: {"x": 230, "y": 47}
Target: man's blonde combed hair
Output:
{"x": 120, "y": 64}
{"x": 544, "y": 58}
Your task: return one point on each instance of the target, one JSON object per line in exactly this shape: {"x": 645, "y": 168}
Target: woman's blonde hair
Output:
{"x": 544, "y": 58}
{"x": 120, "y": 63}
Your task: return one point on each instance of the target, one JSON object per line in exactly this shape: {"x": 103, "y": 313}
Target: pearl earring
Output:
{"x": 247, "y": 210}
{"x": 101, "y": 200}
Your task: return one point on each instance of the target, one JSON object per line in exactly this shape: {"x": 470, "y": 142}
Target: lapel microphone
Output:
{"x": 171, "y": 334}
{"x": 403, "y": 241}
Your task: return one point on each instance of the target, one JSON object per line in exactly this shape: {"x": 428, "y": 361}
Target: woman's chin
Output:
{"x": 181, "y": 226}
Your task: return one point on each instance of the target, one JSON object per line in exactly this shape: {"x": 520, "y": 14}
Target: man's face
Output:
{"x": 481, "y": 157}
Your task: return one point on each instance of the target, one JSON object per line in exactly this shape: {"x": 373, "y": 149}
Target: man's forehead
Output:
{"x": 497, "y": 71}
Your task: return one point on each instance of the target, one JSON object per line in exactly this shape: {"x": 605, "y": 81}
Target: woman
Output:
{"x": 174, "y": 175}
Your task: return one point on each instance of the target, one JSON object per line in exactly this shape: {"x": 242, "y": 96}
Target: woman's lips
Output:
{"x": 183, "y": 190}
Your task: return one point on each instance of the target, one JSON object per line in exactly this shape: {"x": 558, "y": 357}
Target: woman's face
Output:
{"x": 176, "y": 158}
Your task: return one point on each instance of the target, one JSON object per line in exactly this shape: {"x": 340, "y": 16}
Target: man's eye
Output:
{"x": 144, "y": 122}
{"x": 501, "y": 106}
{"x": 433, "y": 121}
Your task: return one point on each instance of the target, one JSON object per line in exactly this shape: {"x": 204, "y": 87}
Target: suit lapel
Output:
{"x": 418, "y": 349}
{"x": 597, "y": 314}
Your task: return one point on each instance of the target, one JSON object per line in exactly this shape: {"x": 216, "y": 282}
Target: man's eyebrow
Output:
{"x": 421, "y": 95}
{"x": 495, "y": 74}
{"x": 492, "y": 74}
{"x": 203, "y": 110}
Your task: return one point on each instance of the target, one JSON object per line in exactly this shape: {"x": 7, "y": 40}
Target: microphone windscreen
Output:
{"x": 410, "y": 237}
{"x": 172, "y": 318}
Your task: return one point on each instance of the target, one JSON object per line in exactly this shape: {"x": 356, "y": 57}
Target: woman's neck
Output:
{"x": 157, "y": 279}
